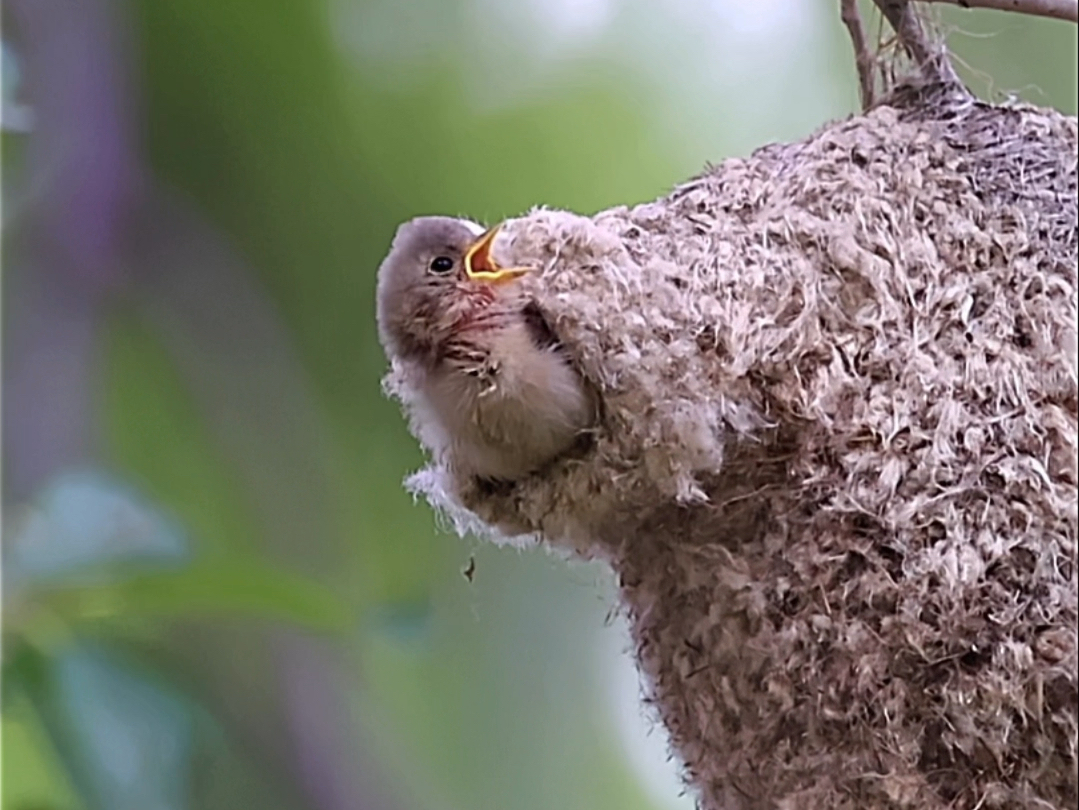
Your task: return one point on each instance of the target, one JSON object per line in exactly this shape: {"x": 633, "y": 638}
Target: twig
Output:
{"x": 931, "y": 59}
{"x": 1057, "y": 9}
{"x": 862, "y": 58}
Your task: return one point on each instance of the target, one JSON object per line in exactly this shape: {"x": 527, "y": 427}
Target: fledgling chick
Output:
{"x": 497, "y": 397}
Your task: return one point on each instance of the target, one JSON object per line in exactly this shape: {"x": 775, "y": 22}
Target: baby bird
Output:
{"x": 496, "y": 395}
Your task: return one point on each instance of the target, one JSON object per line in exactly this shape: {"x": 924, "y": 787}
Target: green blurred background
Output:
{"x": 216, "y": 592}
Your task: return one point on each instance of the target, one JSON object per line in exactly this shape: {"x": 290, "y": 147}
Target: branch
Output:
{"x": 931, "y": 59}
{"x": 862, "y": 57}
{"x": 1057, "y": 9}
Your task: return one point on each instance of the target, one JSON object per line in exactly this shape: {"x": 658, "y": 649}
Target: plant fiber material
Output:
{"x": 837, "y": 466}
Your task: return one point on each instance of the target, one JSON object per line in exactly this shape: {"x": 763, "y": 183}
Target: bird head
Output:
{"x": 438, "y": 272}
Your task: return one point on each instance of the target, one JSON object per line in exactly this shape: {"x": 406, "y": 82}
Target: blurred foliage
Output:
{"x": 248, "y": 610}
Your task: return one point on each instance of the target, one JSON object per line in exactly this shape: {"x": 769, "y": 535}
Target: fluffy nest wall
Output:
{"x": 837, "y": 467}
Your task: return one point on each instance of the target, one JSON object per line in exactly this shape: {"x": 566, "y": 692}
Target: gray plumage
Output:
{"x": 493, "y": 393}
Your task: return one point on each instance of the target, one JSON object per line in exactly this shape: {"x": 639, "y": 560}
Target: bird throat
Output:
{"x": 478, "y": 309}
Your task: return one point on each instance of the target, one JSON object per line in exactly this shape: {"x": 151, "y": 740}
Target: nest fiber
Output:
{"x": 836, "y": 469}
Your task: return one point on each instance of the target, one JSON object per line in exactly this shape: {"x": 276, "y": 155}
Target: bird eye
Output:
{"x": 441, "y": 264}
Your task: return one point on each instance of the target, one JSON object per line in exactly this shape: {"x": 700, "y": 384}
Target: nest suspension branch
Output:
{"x": 836, "y": 469}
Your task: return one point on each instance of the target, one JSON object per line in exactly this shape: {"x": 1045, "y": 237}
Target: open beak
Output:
{"x": 481, "y": 266}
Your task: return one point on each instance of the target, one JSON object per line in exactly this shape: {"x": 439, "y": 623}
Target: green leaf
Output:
{"x": 85, "y": 524}
{"x": 34, "y": 775}
{"x": 124, "y": 738}
{"x": 233, "y": 587}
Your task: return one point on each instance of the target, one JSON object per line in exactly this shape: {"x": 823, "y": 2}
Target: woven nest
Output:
{"x": 837, "y": 466}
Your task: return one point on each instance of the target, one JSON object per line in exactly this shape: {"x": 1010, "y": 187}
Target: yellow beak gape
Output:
{"x": 481, "y": 266}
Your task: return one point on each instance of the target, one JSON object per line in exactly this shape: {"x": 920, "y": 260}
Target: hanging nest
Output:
{"x": 836, "y": 472}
